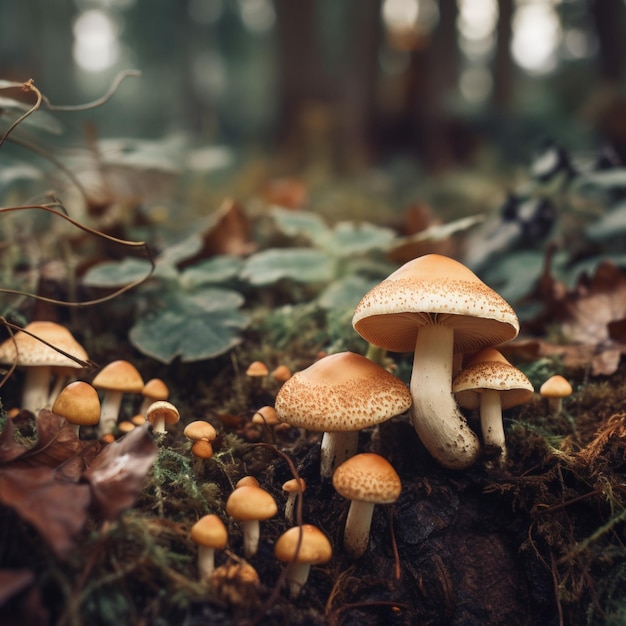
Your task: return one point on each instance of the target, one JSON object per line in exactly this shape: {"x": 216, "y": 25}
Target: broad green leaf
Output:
{"x": 216, "y": 270}
{"x": 609, "y": 225}
{"x": 345, "y": 293}
{"x": 515, "y": 275}
{"x": 304, "y": 265}
{"x": 116, "y": 273}
{"x": 185, "y": 249}
{"x": 349, "y": 238}
{"x": 194, "y": 328}
{"x": 306, "y": 223}
{"x": 11, "y": 109}
{"x": 605, "y": 179}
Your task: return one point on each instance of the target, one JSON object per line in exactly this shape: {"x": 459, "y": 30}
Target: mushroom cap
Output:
{"x": 202, "y": 449}
{"x": 250, "y": 503}
{"x": 434, "y": 289}
{"x": 119, "y": 376}
{"x": 210, "y": 531}
{"x": 266, "y": 415}
{"x": 367, "y": 477}
{"x": 294, "y": 485}
{"x": 490, "y": 370}
{"x": 556, "y": 387}
{"x": 200, "y": 430}
{"x": 257, "y": 368}
{"x": 246, "y": 481}
{"x": 30, "y": 351}
{"x": 314, "y": 546}
{"x": 281, "y": 373}
{"x": 162, "y": 408}
{"x": 156, "y": 389}
{"x": 341, "y": 392}
{"x": 78, "y": 403}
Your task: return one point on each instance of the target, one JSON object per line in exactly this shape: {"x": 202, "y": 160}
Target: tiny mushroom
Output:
{"x": 341, "y": 394}
{"x": 302, "y": 546}
{"x": 210, "y": 534}
{"x": 281, "y": 374}
{"x": 293, "y": 488}
{"x": 79, "y": 404}
{"x": 257, "y": 369}
{"x": 366, "y": 479}
{"x": 202, "y": 449}
{"x": 266, "y": 416}
{"x": 249, "y": 505}
{"x": 490, "y": 383}
{"x": 434, "y": 306}
{"x": 200, "y": 429}
{"x": 155, "y": 389}
{"x": 38, "y": 359}
{"x": 115, "y": 379}
{"x": 555, "y": 389}
{"x": 162, "y": 413}
{"x": 247, "y": 481}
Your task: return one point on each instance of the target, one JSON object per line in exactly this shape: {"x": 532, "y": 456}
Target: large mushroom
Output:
{"x": 38, "y": 358}
{"x": 434, "y": 306}
{"x": 79, "y": 404}
{"x": 491, "y": 384}
{"x": 340, "y": 395}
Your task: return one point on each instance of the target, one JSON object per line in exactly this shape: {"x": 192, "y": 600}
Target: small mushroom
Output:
{"x": 249, "y": 505}
{"x": 79, "y": 404}
{"x": 366, "y": 479}
{"x": 257, "y": 369}
{"x": 162, "y": 413}
{"x": 200, "y": 429}
{"x": 247, "y": 481}
{"x": 293, "y": 488}
{"x": 555, "y": 389}
{"x": 202, "y": 449}
{"x": 155, "y": 389}
{"x": 302, "y": 546}
{"x": 210, "y": 534}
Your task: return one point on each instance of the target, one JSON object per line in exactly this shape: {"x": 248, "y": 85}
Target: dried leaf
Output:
{"x": 12, "y": 581}
{"x": 9, "y": 448}
{"x": 118, "y": 473}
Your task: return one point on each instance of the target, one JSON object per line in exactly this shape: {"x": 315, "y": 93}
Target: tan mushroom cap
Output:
{"x": 314, "y": 546}
{"x": 367, "y": 477}
{"x": 341, "y": 392}
{"x": 156, "y": 389}
{"x": 119, "y": 376}
{"x": 556, "y": 387}
{"x": 30, "y": 351}
{"x": 251, "y": 503}
{"x": 78, "y": 403}
{"x": 200, "y": 429}
{"x": 490, "y": 370}
{"x": 164, "y": 409}
{"x": 294, "y": 485}
{"x": 434, "y": 289}
{"x": 210, "y": 531}
{"x": 257, "y": 368}
{"x": 247, "y": 481}
{"x": 266, "y": 415}
{"x": 202, "y": 449}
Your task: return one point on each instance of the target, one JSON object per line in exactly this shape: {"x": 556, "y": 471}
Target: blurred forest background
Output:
{"x": 344, "y": 84}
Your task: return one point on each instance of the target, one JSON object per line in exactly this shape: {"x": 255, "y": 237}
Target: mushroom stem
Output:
{"x": 109, "y": 411}
{"x": 206, "y": 561}
{"x": 35, "y": 393}
{"x": 159, "y": 425}
{"x": 251, "y": 530}
{"x": 290, "y": 506}
{"x": 435, "y": 415}
{"x": 555, "y": 405}
{"x": 297, "y": 576}
{"x": 337, "y": 447}
{"x": 491, "y": 420}
{"x": 356, "y": 533}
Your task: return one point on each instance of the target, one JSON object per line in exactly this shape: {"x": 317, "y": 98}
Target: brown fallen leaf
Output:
{"x": 9, "y": 448}
{"x": 117, "y": 475}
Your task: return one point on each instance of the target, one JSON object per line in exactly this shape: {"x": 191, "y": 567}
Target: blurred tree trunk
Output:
{"x": 610, "y": 22}
{"x": 503, "y": 63}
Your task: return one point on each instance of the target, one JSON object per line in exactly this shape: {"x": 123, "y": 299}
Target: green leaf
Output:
{"x": 345, "y": 293}
{"x": 349, "y": 238}
{"x": 609, "y": 225}
{"x": 185, "y": 249}
{"x": 116, "y": 273}
{"x": 515, "y": 275}
{"x": 304, "y": 265}
{"x": 306, "y": 223}
{"x": 219, "y": 269}
{"x": 195, "y": 327}
{"x": 11, "y": 109}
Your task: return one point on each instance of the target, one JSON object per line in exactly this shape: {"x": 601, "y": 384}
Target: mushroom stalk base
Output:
{"x": 356, "y": 534}
{"x": 109, "y": 412}
{"x": 296, "y": 577}
{"x": 35, "y": 394}
{"x": 206, "y": 562}
{"x": 251, "y": 532}
{"x": 491, "y": 420}
{"x": 336, "y": 448}
{"x": 435, "y": 415}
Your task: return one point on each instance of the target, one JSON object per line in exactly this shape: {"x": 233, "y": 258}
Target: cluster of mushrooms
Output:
{"x": 432, "y": 306}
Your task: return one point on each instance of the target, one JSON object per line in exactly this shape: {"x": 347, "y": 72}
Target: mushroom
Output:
{"x": 247, "y": 481}
{"x": 281, "y": 374}
{"x": 162, "y": 413}
{"x": 115, "y": 379}
{"x": 293, "y": 488}
{"x": 155, "y": 389}
{"x": 79, "y": 404}
{"x": 210, "y": 534}
{"x": 257, "y": 369}
{"x": 555, "y": 389}
{"x": 340, "y": 394}
{"x": 302, "y": 546}
{"x": 434, "y": 306}
{"x": 366, "y": 479}
{"x": 202, "y": 449}
{"x": 489, "y": 382}
{"x": 199, "y": 429}
{"x": 249, "y": 505}
{"x": 38, "y": 359}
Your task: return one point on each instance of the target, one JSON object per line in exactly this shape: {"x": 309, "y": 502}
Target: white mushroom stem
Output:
{"x": 435, "y": 415}
{"x": 251, "y": 530}
{"x": 336, "y": 448}
{"x": 290, "y": 506}
{"x": 159, "y": 425}
{"x": 206, "y": 561}
{"x": 356, "y": 533}
{"x": 555, "y": 405}
{"x": 297, "y": 576}
{"x": 491, "y": 420}
{"x": 109, "y": 411}
{"x": 36, "y": 388}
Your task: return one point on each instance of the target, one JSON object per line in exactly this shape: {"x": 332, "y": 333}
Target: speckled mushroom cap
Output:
{"x": 33, "y": 352}
{"x": 367, "y": 477}
{"x": 251, "y": 503}
{"x": 162, "y": 409}
{"x": 341, "y": 392}
{"x": 78, "y": 403}
{"x": 119, "y": 376}
{"x": 556, "y": 387}
{"x": 490, "y": 370}
{"x": 210, "y": 531}
{"x": 314, "y": 547}
{"x": 434, "y": 289}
